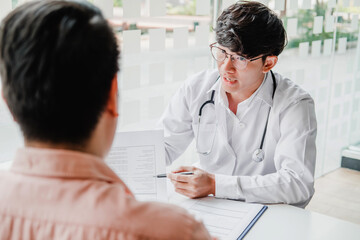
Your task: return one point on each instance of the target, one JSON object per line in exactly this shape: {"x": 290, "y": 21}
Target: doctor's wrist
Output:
{"x": 212, "y": 183}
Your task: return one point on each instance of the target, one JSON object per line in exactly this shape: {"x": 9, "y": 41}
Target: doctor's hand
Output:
{"x": 199, "y": 184}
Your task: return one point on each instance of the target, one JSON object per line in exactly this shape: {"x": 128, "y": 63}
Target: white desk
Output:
{"x": 285, "y": 222}
{"x": 288, "y": 222}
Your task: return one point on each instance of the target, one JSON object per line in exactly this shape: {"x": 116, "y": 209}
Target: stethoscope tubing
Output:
{"x": 209, "y": 101}
{"x": 260, "y": 149}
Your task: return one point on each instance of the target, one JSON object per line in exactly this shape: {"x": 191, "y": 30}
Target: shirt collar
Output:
{"x": 264, "y": 91}
{"x": 61, "y": 163}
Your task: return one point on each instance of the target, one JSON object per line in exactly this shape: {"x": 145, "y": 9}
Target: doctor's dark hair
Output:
{"x": 57, "y": 63}
{"x": 251, "y": 29}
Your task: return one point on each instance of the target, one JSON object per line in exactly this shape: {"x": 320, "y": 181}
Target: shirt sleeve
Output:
{"x": 177, "y": 124}
{"x": 294, "y": 160}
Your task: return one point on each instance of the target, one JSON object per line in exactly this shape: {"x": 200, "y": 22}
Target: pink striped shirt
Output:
{"x": 62, "y": 194}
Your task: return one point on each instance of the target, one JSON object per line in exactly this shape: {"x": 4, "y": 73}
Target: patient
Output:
{"x": 58, "y": 64}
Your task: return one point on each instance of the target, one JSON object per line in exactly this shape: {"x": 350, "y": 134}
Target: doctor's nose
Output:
{"x": 227, "y": 65}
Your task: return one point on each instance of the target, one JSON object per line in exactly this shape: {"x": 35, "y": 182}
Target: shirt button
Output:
{"x": 241, "y": 125}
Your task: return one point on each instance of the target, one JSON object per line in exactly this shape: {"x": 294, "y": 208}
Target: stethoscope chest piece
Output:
{"x": 258, "y": 155}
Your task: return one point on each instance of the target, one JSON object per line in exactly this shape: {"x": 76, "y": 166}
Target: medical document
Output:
{"x": 136, "y": 157}
{"x": 224, "y": 219}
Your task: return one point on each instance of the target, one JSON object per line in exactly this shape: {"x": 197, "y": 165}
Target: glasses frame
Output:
{"x": 231, "y": 56}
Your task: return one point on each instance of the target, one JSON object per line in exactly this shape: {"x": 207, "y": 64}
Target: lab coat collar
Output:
{"x": 221, "y": 114}
{"x": 218, "y": 89}
{"x": 264, "y": 92}
{"x": 216, "y": 85}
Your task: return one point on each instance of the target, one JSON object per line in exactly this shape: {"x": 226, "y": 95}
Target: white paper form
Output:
{"x": 224, "y": 219}
{"x": 136, "y": 157}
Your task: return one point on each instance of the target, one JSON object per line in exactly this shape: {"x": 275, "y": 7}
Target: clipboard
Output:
{"x": 252, "y": 223}
{"x": 225, "y": 219}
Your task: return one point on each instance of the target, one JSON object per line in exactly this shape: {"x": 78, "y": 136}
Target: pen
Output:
{"x": 163, "y": 175}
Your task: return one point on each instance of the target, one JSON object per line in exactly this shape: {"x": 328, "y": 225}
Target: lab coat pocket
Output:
{"x": 204, "y": 136}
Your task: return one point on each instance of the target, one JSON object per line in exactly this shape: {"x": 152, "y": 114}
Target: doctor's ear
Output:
{"x": 270, "y": 62}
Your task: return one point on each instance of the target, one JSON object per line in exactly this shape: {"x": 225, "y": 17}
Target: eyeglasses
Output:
{"x": 238, "y": 61}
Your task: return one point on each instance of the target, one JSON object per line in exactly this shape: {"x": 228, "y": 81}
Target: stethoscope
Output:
{"x": 259, "y": 154}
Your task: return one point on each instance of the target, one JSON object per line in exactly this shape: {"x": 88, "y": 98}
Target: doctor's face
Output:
{"x": 237, "y": 81}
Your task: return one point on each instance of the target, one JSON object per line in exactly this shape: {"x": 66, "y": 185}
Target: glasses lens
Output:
{"x": 218, "y": 54}
{"x": 240, "y": 62}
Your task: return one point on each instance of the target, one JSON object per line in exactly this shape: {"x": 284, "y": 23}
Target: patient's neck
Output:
{"x": 65, "y": 146}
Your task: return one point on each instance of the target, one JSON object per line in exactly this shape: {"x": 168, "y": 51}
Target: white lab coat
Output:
{"x": 285, "y": 175}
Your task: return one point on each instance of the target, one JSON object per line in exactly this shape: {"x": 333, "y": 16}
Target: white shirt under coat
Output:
{"x": 287, "y": 172}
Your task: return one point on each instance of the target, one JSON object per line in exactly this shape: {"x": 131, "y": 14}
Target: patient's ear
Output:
{"x": 270, "y": 62}
{"x": 113, "y": 101}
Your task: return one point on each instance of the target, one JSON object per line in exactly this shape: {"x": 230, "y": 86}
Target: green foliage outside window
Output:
{"x": 305, "y": 26}
{"x": 117, "y": 3}
{"x": 189, "y": 8}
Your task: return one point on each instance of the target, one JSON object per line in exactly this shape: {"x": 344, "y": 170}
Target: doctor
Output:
{"x": 254, "y": 129}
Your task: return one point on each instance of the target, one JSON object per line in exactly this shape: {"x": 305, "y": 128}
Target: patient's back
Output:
{"x": 58, "y": 194}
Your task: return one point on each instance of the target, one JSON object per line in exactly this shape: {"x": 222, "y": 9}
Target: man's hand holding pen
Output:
{"x": 164, "y": 175}
{"x": 198, "y": 184}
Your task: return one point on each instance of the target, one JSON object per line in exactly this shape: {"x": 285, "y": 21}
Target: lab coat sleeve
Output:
{"x": 177, "y": 124}
{"x": 294, "y": 158}
{"x": 228, "y": 187}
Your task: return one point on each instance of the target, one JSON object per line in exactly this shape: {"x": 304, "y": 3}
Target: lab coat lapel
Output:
{"x": 220, "y": 109}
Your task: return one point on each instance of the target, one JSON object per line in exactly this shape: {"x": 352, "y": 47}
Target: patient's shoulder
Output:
{"x": 122, "y": 212}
